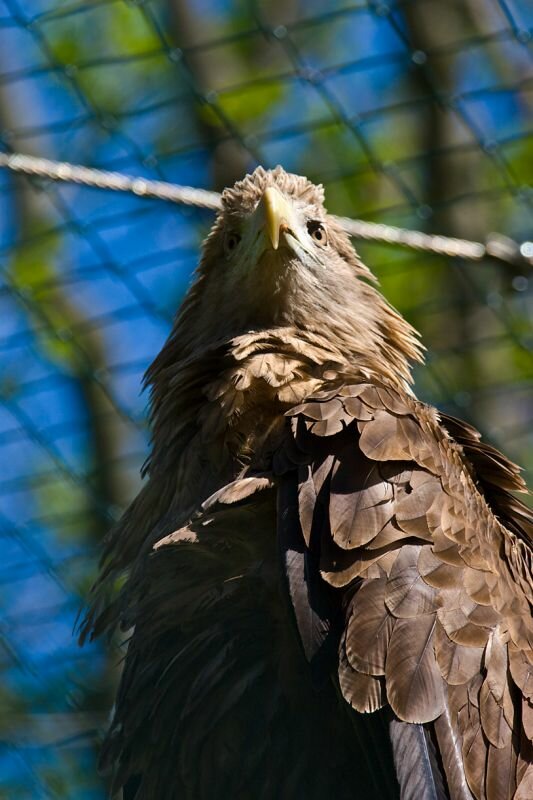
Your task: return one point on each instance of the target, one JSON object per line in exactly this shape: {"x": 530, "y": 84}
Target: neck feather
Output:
{"x": 233, "y": 388}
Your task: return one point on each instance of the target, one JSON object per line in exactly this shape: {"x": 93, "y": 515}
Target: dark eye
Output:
{"x": 317, "y": 231}
{"x": 231, "y": 241}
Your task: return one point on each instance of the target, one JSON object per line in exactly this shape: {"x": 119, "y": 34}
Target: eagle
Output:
{"x": 325, "y": 583}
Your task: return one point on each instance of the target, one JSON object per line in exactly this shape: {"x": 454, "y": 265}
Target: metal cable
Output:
{"x": 497, "y": 246}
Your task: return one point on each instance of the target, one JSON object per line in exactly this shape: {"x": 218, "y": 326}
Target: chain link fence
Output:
{"x": 413, "y": 113}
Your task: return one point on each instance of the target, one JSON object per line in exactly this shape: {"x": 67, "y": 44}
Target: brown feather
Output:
{"x": 446, "y": 549}
{"x": 527, "y": 718}
{"x": 360, "y": 503}
{"x": 389, "y": 534}
{"x": 474, "y": 753}
{"x": 476, "y": 584}
{"x": 449, "y": 742}
{"x": 525, "y": 788}
{"x": 320, "y": 411}
{"x": 521, "y": 666}
{"x": 369, "y": 629}
{"x": 364, "y": 692}
{"x": 357, "y": 409}
{"x": 414, "y": 682}
{"x": 495, "y": 726}
{"x": 306, "y": 501}
{"x": 407, "y": 595}
{"x": 340, "y": 567}
{"x": 382, "y": 439}
{"x": 238, "y": 490}
{"x": 436, "y": 572}
{"x": 456, "y": 624}
{"x": 391, "y": 400}
{"x": 425, "y": 489}
{"x": 457, "y": 663}
{"x": 500, "y": 781}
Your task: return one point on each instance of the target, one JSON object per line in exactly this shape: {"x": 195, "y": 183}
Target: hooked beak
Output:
{"x": 278, "y": 214}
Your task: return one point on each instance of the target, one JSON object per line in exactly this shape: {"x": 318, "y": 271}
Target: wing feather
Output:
{"x": 363, "y": 691}
{"x": 369, "y": 629}
{"x": 414, "y": 683}
{"x": 420, "y": 533}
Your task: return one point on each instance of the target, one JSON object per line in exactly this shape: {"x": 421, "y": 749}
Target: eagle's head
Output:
{"x": 275, "y": 256}
{"x": 275, "y": 259}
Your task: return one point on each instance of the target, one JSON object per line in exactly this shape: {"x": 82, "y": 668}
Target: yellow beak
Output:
{"x": 279, "y": 214}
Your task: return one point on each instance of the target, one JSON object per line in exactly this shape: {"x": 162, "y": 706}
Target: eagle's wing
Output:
{"x": 411, "y": 519}
{"x": 216, "y": 699}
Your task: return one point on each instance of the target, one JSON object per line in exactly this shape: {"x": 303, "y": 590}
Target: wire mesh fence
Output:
{"x": 413, "y": 113}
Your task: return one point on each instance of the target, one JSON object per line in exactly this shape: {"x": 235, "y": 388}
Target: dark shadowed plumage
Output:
{"x": 328, "y": 584}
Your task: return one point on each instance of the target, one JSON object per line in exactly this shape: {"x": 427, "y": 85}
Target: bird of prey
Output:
{"x": 327, "y": 583}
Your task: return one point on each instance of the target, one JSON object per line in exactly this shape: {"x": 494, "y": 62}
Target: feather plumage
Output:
{"x": 448, "y": 589}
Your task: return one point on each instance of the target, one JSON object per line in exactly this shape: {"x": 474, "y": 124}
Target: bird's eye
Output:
{"x": 231, "y": 241}
{"x": 317, "y": 231}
